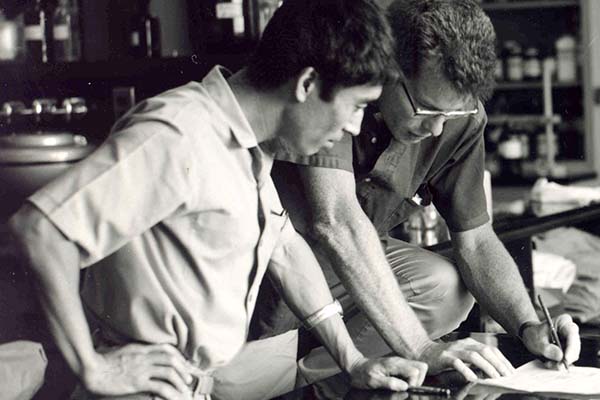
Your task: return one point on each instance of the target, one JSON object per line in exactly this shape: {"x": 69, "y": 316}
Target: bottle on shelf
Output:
{"x": 532, "y": 65}
{"x": 144, "y": 33}
{"x": 38, "y": 32}
{"x": 514, "y": 61}
{"x": 9, "y": 38}
{"x": 66, "y": 33}
{"x": 566, "y": 58}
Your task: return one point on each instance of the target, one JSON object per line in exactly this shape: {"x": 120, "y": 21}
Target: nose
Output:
{"x": 434, "y": 125}
{"x": 353, "y": 126}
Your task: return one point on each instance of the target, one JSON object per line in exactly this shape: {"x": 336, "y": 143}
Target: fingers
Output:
{"x": 164, "y": 390}
{"x": 177, "y": 363}
{"x": 389, "y": 382}
{"x": 394, "y": 373}
{"x": 170, "y": 376}
{"x": 465, "y": 371}
{"x": 569, "y": 331}
{"x": 414, "y": 372}
{"x": 490, "y": 360}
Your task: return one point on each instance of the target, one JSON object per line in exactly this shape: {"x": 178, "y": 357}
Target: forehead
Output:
{"x": 358, "y": 94}
{"x": 431, "y": 89}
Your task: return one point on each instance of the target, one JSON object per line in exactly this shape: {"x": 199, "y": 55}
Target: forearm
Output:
{"x": 487, "y": 267}
{"x": 53, "y": 263}
{"x": 356, "y": 255}
{"x": 303, "y": 286}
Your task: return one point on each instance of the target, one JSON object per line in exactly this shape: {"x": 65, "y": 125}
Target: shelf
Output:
{"x": 18, "y": 73}
{"x": 499, "y": 119}
{"x": 523, "y": 85}
{"x": 532, "y": 4}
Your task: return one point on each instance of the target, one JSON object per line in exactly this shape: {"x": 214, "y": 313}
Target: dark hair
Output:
{"x": 348, "y": 42}
{"x": 458, "y": 32}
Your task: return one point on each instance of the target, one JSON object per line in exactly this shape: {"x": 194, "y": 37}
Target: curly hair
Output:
{"x": 458, "y": 32}
{"x": 348, "y": 42}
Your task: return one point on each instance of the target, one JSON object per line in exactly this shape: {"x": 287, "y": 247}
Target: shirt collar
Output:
{"x": 215, "y": 82}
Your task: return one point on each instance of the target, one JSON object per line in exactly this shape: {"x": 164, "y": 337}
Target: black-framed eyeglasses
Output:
{"x": 421, "y": 112}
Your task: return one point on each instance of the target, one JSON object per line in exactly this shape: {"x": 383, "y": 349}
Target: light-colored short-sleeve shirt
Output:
{"x": 172, "y": 222}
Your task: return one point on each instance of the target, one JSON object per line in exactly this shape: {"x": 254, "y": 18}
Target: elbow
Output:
{"x": 327, "y": 232}
{"x": 30, "y": 237}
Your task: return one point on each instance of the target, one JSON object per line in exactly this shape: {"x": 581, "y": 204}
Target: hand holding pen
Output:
{"x": 554, "y": 335}
{"x": 538, "y": 338}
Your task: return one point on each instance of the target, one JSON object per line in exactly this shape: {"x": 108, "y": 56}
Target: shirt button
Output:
{"x": 367, "y": 180}
{"x": 373, "y": 140}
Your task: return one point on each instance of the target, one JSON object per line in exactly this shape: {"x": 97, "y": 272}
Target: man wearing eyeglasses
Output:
{"x": 425, "y": 139}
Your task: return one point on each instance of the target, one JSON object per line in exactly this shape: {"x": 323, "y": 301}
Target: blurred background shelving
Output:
{"x": 530, "y": 33}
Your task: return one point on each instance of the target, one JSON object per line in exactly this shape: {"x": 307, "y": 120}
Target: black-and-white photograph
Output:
{"x": 299, "y": 199}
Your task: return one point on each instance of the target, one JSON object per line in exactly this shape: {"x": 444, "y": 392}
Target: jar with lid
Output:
{"x": 566, "y": 58}
{"x": 9, "y": 38}
{"x": 514, "y": 61}
{"x": 532, "y": 65}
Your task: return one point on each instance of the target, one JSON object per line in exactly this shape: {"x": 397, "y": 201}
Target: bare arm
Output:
{"x": 54, "y": 263}
{"x": 338, "y": 228}
{"x": 296, "y": 274}
{"x": 341, "y": 230}
{"x": 486, "y": 267}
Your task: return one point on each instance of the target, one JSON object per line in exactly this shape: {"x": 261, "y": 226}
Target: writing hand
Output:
{"x": 459, "y": 354}
{"x": 392, "y": 373}
{"x": 537, "y": 339}
{"x": 157, "y": 369}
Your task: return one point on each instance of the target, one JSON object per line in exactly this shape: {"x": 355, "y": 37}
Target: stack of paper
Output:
{"x": 534, "y": 377}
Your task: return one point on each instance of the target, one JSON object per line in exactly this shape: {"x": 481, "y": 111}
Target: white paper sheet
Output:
{"x": 533, "y": 377}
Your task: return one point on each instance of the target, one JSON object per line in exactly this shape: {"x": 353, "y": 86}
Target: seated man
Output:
{"x": 176, "y": 220}
{"x": 425, "y": 138}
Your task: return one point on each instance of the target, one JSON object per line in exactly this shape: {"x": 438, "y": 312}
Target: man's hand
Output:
{"x": 158, "y": 369}
{"x": 460, "y": 354}
{"x": 392, "y": 373}
{"x": 537, "y": 340}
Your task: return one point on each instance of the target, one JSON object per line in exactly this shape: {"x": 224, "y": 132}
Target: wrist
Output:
{"x": 421, "y": 349}
{"x": 89, "y": 369}
{"x": 355, "y": 362}
{"x": 523, "y": 328}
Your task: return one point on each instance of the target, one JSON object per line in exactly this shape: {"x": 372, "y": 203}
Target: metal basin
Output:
{"x": 30, "y": 160}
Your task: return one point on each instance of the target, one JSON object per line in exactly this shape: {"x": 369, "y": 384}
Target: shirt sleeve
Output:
{"x": 138, "y": 177}
{"x": 338, "y": 157}
{"x": 457, "y": 189}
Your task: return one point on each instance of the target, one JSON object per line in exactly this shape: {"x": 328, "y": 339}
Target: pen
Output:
{"x": 436, "y": 391}
{"x": 553, "y": 333}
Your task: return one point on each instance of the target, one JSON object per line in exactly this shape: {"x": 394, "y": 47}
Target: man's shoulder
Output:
{"x": 178, "y": 107}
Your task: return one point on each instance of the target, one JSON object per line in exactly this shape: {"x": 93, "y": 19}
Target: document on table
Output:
{"x": 533, "y": 377}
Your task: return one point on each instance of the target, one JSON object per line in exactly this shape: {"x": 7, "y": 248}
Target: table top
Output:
{"x": 338, "y": 387}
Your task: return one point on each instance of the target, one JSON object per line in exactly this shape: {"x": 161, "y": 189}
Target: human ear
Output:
{"x": 305, "y": 83}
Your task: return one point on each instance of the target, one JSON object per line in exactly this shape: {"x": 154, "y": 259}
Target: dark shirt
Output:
{"x": 446, "y": 170}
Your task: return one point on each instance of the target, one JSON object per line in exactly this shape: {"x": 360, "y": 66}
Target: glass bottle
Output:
{"x": 144, "y": 33}
{"x": 37, "y": 32}
{"x": 532, "y": 65}
{"x": 66, "y": 33}
{"x": 514, "y": 61}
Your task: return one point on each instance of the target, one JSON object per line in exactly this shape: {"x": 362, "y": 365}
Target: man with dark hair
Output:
{"x": 425, "y": 139}
{"x": 178, "y": 220}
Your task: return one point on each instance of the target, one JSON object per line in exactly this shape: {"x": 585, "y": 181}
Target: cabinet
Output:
{"x": 520, "y": 108}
